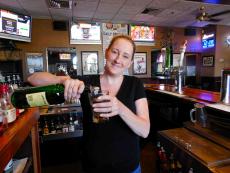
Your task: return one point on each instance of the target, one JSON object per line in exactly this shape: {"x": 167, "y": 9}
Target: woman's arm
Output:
{"x": 138, "y": 122}
{"x": 45, "y": 78}
{"x": 73, "y": 87}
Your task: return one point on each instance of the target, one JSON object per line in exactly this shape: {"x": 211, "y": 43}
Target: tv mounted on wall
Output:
{"x": 85, "y": 33}
{"x": 142, "y": 34}
{"x": 15, "y": 26}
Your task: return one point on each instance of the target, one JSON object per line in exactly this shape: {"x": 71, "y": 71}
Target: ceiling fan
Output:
{"x": 204, "y": 16}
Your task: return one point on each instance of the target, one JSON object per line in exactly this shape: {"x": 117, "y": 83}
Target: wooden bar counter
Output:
{"x": 205, "y": 149}
{"x": 193, "y": 94}
{"x": 16, "y": 134}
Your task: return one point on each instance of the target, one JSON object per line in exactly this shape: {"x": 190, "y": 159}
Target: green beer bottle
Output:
{"x": 38, "y": 96}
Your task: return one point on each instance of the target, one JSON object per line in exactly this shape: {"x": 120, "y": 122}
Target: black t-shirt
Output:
{"x": 111, "y": 146}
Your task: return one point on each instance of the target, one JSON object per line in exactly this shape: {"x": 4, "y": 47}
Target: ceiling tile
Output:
{"x": 162, "y": 3}
{"x": 103, "y": 15}
{"x": 112, "y": 2}
{"x": 105, "y": 7}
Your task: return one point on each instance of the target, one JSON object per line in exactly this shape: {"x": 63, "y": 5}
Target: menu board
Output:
{"x": 14, "y": 26}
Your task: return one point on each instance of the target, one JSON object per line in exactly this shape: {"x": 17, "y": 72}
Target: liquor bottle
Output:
{"x": 71, "y": 124}
{"x": 52, "y": 128}
{"x": 158, "y": 158}
{"x": 2, "y": 78}
{"x": 9, "y": 112}
{"x": 46, "y": 129}
{"x": 8, "y": 79}
{"x": 14, "y": 83}
{"x": 65, "y": 127}
{"x": 178, "y": 167}
{"x": 164, "y": 161}
{"x": 172, "y": 164}
{"x": 19, "y": 81}
{"x": 38, "y": 96}
{"x": 58, "y": 126}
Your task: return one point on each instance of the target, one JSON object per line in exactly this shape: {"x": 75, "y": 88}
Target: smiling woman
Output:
{"x": 126, "y": 109}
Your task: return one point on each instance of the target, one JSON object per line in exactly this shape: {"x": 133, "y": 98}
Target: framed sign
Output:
{"x": 140, "y": 63}
{"x": 208, "y": 61}
{"x": 89, "y": 62}
{"x": 34, "y": 62}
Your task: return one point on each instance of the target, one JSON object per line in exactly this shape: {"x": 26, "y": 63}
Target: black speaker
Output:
{"x": 190, "y": 31}
{"x": 60, "y": 25}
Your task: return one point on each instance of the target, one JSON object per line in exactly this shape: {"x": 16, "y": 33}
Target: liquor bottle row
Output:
{"x": 167, "y": 163}
{"x": 49, "y": 125}
{"x": 13, "y": 79}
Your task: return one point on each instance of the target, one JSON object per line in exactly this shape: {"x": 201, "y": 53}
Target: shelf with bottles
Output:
{"x": 12, "y": 78}
{"x": 166, "y": 162}
{"x": 61, "y": 126}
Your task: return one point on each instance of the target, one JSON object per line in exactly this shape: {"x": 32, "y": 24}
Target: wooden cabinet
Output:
{"x": 62, "y": 144}
{"x": 195, "y": 151}
{"x": 16, "y": 134}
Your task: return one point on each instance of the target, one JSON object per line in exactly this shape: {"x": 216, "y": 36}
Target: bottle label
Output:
{"x": 37, "y": 99}
{"x": 10, "y": 114}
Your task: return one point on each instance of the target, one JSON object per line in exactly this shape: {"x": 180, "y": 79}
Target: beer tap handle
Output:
{"x": 182, "y": 51}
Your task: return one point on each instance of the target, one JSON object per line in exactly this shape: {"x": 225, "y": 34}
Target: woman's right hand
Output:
{"x": 73, "y": 89}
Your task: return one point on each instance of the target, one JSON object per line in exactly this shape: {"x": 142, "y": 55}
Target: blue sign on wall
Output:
{"x": 208, "y": 41}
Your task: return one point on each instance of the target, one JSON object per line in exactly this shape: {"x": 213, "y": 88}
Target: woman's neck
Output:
{"x": 111, "y": 79}
{"x": 112, "y": 83}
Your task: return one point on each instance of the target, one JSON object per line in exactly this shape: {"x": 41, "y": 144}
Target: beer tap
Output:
{"x": 180, "y": 73}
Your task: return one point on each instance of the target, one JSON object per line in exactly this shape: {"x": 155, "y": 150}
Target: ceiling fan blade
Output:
{"x": 213, "y": 20}
{"x": 226, "y": 2}
{"x": 220, "y": 13}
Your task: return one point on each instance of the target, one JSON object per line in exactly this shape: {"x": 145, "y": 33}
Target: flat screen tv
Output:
{"x": 142, "y": 34}
{"x": 15, "y": 26}
{"x": 85, "y": 33}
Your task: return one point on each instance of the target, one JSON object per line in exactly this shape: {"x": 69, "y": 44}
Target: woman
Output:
{"x": 112, "y": 146}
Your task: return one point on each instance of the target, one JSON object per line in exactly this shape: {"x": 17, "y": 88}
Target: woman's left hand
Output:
{"x": 107, "y": 105}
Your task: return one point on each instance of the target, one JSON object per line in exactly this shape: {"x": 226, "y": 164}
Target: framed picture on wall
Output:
{"x": 34, "y": 62}
{"x": 140, "y": 63}
{"x": 89, "y": 61}
{"x": 208, "y": 61}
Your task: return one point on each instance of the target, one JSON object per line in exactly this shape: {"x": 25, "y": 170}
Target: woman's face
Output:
{"x": 119, "y": 57}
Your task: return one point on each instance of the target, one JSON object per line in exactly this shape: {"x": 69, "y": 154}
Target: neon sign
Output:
{"x": 208, "y": 41}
